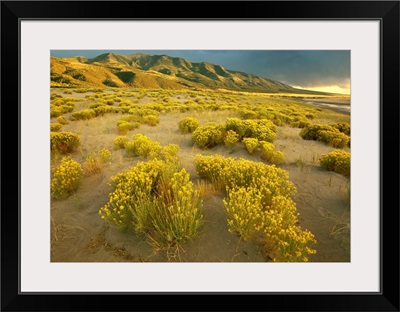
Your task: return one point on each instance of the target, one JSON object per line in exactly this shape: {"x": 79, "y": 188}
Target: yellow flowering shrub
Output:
{"x": 123, "y": 127}
{"x": 268, "y": 153}
{"x": 335, "y": 134}
{"x": 84, "y": 114}
{"x": 251, "y": 144}
{"x": 155, "y": 198}
{"x": 101, "y": 110}
{"x": 244, "y": 209}
{"x": 177, "y": 216}
{"x": 170, "y": 153}
{"x": 62, "y": 120}
{"x": 188, "y": 125}
{"x": 54, "y": 127}
{"x": 337, "y": 161}
{"x": 208, "y": 136}
{"x": 55, "y": 111}
{"x": 259, "y": 201}
{"x": 231, "y": 138}
{"x": 151, "y": 120}
{"x": 284, "y": 239}
{"x": 233, "y": 173}
{"x": 141, "y": 145}
{"x": 261, "y": 129}
{"x": 64, "y": 142}
{"x": 66, "y": 178}
{"x": 343, "y": 127}
{"x": 120, "y": 141}
{"x": 333, "y": 138}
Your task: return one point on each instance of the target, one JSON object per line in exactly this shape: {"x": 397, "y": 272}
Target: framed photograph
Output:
{"x": 198, "y": 153}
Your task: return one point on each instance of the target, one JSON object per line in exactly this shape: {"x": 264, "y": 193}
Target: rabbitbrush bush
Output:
{"x": 151, "y": 120}
{"x": 333, "y": 138}
{"x": 231, "y": 138}
{"x": 188, "y": 125}
{"x": 329, "y": 134}
{"x": 268, "y": 153}
{"x": 66, "y": 178}
{"x": 83, "y": 114}
{"x": 251, "y": 144}
{"x": 261, "y": 129}
{"x": 123, "y": 127}
{"x": 208, "y": 136}
{"x": 155, "y": 198}
{"x": 54, "y": 127}
{"x": 141, "y": 145}
{"x": 64, "y": 142}
{"x": 120, "y": 141}
{"x": 62, "y": 120}
{"x": 336, "y": 161}
{"x": 259, "y": 203}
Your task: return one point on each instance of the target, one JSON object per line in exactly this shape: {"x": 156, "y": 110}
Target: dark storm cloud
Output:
{"x": 305, "y": 68}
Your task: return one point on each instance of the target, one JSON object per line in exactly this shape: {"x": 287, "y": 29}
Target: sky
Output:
{"x": 320, "y": 70}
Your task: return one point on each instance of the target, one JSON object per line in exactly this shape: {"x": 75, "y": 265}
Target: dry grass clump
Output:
{"x": 95, "y": 161}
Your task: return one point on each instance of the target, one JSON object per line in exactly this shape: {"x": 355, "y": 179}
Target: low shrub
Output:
{"x": 170, "y": 153}
{"x": 261, "y": 129}
{"x": 310, "y": 132}
{"x": 141, "y": 145}
{"x": 259, "y": 204}
{"x": 123, "y": 127}
{"x": 54, "y": 127}
{"x": 326, "y": 133}
{"x": 208, "y": 136}
{"x": 188, "y": 125}
{"x": 268, "y": 153}
{"x": 66, "y": 178}
{"x": 103, "y": 109}
{"x": 64, "y": 142}
{"x": 55, "y": 111}
{"x": 230, "y": 139}
{"x": 343, "y": 127}
{"x": 336, "y": 161}
{"x": 251, "y": 144}
{"x": 158, "y": 199}
{"x": 62, "y": 120}
{"x": 333, "y": 138}
{"x": 151, "y": 120}
{"x": 120, "y": 141}
{"x": 83, "y": 114}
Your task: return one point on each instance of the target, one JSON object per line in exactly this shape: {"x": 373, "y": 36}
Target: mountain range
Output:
{"x": 140, "y": 70}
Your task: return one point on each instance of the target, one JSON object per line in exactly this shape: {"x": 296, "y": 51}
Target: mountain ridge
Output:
{"x": 157, "y": 71}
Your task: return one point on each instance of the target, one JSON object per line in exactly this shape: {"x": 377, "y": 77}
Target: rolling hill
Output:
{"x": 157, "y": 71}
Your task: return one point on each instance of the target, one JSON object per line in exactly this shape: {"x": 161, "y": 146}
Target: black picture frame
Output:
{"x": 12, "y": 12}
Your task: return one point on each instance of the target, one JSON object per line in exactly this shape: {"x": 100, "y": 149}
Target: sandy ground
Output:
{"x": 80, "y": 235}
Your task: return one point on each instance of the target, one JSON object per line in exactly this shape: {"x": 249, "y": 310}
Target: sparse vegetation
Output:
{"x": 162, "y": 179}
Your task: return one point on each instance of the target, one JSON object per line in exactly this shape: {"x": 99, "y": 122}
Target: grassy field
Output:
{"x": 195, "y": 176}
